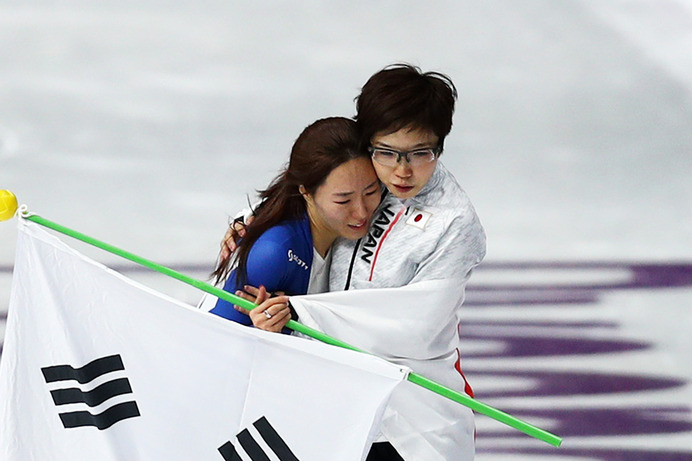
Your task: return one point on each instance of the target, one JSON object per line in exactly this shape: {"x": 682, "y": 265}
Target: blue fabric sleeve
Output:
{"x": 225, "y": 309}
{"x": 267, "y": 265}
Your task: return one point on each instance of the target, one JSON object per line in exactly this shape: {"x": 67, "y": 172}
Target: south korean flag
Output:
{"x": 97, "y": 367}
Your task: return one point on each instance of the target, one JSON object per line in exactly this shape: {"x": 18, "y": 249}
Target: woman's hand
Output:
{"x": 252, "y": 294}
{"x": 271, "y": 314}
{"x": 236, "y": 231}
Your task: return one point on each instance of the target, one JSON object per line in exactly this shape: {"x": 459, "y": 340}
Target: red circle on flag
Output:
{"x": 418, "y": 217}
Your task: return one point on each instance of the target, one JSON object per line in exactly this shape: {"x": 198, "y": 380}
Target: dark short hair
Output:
{"x": 401, "y": 95}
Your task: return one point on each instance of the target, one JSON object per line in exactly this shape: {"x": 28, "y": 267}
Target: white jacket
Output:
{"x": 435, "y": 235}
{"x": 428, "y": 244}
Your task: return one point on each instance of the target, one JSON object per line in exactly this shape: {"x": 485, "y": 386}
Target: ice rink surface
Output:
{"x": 145, "y": 124}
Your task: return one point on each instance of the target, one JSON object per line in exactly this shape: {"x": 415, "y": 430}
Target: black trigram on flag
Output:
{"x": 94, "y": 397}
{"x": 252, "y": 447}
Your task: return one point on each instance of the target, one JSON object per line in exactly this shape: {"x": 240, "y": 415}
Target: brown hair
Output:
{"x": 400, "y": 95}
{"x": 320, "y": 148}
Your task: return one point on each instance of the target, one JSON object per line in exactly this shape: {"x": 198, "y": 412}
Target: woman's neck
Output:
{"x": 322, "y": 237}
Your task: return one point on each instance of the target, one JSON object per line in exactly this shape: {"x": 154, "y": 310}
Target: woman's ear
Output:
{"x": 306, "y": 196}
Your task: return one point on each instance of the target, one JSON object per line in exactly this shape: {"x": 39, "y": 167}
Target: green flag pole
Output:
{"x": 415, "y": 378}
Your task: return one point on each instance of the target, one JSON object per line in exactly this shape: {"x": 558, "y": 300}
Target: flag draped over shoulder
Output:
{"x": 415, "y": 326}
{"x": 95, "y": 366}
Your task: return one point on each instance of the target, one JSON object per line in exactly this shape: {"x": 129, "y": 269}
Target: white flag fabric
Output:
{"x": 97, "y": 367}
{"x": 415, "y": 326}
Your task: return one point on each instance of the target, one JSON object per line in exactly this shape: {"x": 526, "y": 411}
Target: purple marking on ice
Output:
{"x": 526, "y": 296}
{"x": 517, "y": 345}
{"x": 662, "y": 275}
{"x": 643, "y": 276}
{"x": 560, "y": 383}
{"x": 514, "y": 324}
{"x": 597, "y": 454}
{"x": 612, "y": 421}
{"x": 561, "y": 339}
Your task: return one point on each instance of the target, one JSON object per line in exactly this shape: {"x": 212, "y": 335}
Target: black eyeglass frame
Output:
{"x": 435, "y": 151}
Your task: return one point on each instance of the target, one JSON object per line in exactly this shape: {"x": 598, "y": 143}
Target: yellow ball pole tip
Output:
{"x": 8, "y": 205}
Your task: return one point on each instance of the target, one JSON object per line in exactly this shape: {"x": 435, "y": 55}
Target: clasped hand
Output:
{"x": 272, "y": 312}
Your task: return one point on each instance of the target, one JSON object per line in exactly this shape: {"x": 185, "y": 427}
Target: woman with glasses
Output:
{"x": 426, "y": 229}
{"x": 410, "y": 271}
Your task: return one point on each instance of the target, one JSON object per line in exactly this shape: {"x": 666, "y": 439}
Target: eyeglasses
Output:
{"x": 417, "y": 157}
